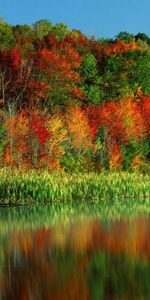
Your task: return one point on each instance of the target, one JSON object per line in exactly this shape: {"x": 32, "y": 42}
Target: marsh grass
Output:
{"x": 35, "y": 187}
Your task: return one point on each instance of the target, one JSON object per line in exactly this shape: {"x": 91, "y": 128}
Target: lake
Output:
{"x": 66, "y": 253}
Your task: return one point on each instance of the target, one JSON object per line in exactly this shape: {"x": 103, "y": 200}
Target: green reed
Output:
{"x": 39, "y": 187}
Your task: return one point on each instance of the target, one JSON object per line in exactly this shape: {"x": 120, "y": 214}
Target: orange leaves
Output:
{"x": 59, "y": 70}
{"x": 73, "y": 57}
{"x": 145, "y": 106}
{"x": 126, "y": 122}
{"x": 8, "y": 159}
{"x": 77, "y": 93}
{"x": 18, "y": 149}
{"x": 79, "y": 129}
{"x": 120, "y": 46}
{"x": 36, "y": 90}
{"x": 48, "y": 136}
{"x": 74, "y": 39}
{"x": 123, "y": 119}
{"x": 115, "y": 156}
{"x": 45, "y": 57}
{"x": 34, "y": 140}
{"x": 137, "y": 162}
{"x": 133, "y": 121}
{"x": 55, "y": 64}
{"x": 112, "y": 119}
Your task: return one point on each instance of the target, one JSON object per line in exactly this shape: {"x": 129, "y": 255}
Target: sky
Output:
{"x": 101, "y": 18}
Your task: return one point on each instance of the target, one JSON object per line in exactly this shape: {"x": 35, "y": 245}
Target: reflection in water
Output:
{"x": 81, "y": 260}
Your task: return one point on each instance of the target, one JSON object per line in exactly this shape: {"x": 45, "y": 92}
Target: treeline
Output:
{"x": 71, "y": 102}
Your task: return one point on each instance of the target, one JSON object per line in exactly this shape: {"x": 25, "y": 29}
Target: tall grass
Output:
{"x": 32, "y": 187}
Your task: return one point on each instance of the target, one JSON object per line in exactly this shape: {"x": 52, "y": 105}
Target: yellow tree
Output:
{"x": 55, "y": 144}
{"x": 78, "y": 129}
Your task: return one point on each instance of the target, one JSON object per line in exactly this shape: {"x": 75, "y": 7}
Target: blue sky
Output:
{"x": 101, "y": 18}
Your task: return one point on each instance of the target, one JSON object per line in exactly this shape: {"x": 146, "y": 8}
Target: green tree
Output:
{"x": 142, "y": 36}
{"x": 7, "y": 39}
{"x": 42, "y": 28}
{"x": 125, "y": 36}
{"x": 125, "y": 73}
{"x": 60, "y": 30}
{"x": 91, "y": 80}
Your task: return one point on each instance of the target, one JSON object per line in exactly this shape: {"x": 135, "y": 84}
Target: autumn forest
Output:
{"x": 73, "y": 103}
{"x": 74, "y": 164}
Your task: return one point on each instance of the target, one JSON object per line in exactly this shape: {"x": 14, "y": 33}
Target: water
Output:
{"x": 79, "y": 257}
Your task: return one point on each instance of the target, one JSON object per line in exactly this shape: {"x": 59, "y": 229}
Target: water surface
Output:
{"x": 46, "y": 256}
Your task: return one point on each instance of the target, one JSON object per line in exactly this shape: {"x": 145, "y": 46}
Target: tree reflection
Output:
{"x": 85, "y": 260}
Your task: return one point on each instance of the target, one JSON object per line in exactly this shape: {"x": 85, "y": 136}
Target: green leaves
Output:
{"x": 7, "y": 39}
{"x": 42, "y": 28}
{"x": 91, "y": 80}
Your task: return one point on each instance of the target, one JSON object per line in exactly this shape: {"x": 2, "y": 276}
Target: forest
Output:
{"x": 74, "y": 161}
{"x": 73, "y": 103}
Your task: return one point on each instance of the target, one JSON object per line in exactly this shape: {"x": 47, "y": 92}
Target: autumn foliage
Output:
{"x": 66, "y": 97}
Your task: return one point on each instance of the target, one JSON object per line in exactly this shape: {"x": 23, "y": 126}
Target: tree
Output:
{"x": 125, "y": 36}
{"x": 125, "y": 72}
{"x": 59, "y": 72}
{"x": 24, "y": 36}
{"x": 60, "y": 30}
{"x": 7, "y": 39}
{"x": 91, "y": 80}
{"x": 56, "y": 141}
{"x": 144, "y": 37}
{"x": 18, "y": 83}
{"x": 18, "y": 145}
{"x": 42, "y": 28}
{"x": 76, "y": 40}
{"x": 78, "y": 129}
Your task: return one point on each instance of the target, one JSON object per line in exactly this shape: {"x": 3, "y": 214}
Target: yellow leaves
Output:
{"x": 137, "y": 162}
{"x": 139, "y": 92}
{"x": 134, "y": 124}
{"x": 58, "y": 135}
{"x": 55, "y": 124}
{"x": 22, "y": 123}
{"x": 79, "y": 130}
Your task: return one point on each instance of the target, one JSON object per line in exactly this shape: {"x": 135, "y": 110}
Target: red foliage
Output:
{"x": 18, "y": 79}
{"x": 123, "y": 119}
{"x": 10, "y": 59}
{"x": 94, "y": 114}
{"x": 77, "y": 93}
{"x": 52, "y": 62}
{"x": 75, "y": 40}
{"x": 145, "y": 106}
{"x": 59, "y": 69}
{"x": 112, "y": 119}
{"x": 119, "y": 46}
{"x": 39, "y": 130}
